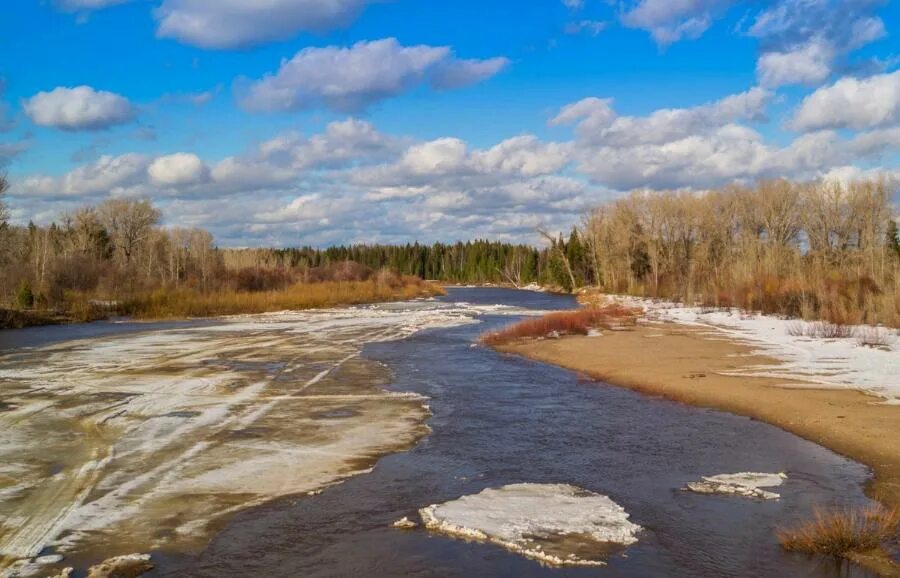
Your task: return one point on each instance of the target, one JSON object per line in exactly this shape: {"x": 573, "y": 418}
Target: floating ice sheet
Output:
{"x": 747, "y": 484}
{"x": 557, "y": 524}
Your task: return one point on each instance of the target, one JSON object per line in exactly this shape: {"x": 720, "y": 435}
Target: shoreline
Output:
{"x": 11, "y": 319}
{"x": 687, "y": 364}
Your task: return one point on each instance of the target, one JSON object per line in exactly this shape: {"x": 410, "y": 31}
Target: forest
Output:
{"x": 818, "y": 250}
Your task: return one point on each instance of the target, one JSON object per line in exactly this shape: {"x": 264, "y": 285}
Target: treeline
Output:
{"x": 814, "y": 250}
{"x": 475, "y": 262}
{"x": 115, "y": 258}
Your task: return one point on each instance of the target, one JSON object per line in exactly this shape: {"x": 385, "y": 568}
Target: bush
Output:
{"x": 842, "y": 533}
{"x": 24, "y": 296}
{"x": 577, "y": 322}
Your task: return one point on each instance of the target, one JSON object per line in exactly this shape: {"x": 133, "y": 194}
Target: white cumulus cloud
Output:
{"x": 229, "y": 24}
{"x": 669, "y": 21}
{"x": 852, "y": 103}
{"x": 78, "y": 108}
{"x": 178, "y": 169}
{"x": 350, "y": 79}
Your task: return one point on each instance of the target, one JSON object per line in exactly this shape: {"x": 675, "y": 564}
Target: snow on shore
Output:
{"x": 749, "y": 484}
{"x": 557, "y": 524}
{"x": 843, "y": 363}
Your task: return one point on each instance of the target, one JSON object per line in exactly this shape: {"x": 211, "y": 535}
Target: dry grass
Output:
{"x": 843, "y": 532}
{"x": 577, "y": 322}
{"x": 183, "y": 303}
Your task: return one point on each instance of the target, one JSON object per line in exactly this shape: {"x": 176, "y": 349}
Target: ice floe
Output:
{"x": 749, "y": 484}
{"x": 404, "y": 523}
{"x": 557, "y": 524}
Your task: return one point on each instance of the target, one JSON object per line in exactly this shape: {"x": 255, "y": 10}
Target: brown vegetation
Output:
{"x": 181, "y": 303}
{"x": 577, "y": 322}
{"x": 816, "y": 251}
{"x": 844, "y": 532}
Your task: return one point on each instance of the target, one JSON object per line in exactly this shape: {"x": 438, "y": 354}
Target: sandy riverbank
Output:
{"x": 687, "y": 364}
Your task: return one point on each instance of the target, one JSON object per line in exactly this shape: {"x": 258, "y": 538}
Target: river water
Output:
{"x": 495, "y": 419}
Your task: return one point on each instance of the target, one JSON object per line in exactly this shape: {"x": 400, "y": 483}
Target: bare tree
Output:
{"x": 129, "y": 223}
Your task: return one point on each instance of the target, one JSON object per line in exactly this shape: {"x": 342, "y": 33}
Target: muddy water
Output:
{"x": 500, "y": 420}
{"x": 496, "y": 420}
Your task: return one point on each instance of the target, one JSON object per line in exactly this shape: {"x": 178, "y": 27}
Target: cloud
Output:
{"x": 87, "y": 5}
{"x": 178, "y": 169}
{"x": 351, "y": 182}
{"x": 592, "y": 27}
{"x": 449, "y": 162}
{"x": 201, "y": 98}
{"x": 79, "y": 108}
{"x": 669, "y": 21}
{"x": 10, "y": 150}
{"x": 454, "y": 73}
{"x": 704, "y": 146}
{"x": 851, "y": 103}
{"x": 107, "y": 175}
{"x": 803, "y": 41}
{"x": 230, "y": 24}
{"x": 597, "y": 123}
{"x": 351, "y": 79}
{"x": 808, "y": 64}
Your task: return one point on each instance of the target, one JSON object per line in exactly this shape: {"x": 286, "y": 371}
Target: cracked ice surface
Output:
{"x": 131, "y": 442}
{"x": 558, "y": 524}
{"x": 747, "y": 484}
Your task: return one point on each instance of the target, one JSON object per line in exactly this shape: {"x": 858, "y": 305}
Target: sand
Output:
{"x": 686, "y": 364}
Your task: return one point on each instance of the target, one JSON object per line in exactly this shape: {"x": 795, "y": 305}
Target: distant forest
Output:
{"x": 476, "y": 262}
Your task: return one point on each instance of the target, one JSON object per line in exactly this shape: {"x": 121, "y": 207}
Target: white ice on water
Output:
{"x": 842, "y": 363}
{"x": 534, "y": 520}
{"x": 748, "y": 484}
{"x": 111, "y": 433}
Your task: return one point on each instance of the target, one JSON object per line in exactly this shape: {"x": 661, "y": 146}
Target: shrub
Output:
{"x": 820, "y": 330}
{"x": 843, "y": 532}
{"x": 24, "y": 296}
{"x": 577, "y": 322}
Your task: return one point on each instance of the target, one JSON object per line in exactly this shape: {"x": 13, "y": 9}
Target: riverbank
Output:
{"x": 172, "y": 304}
{"x": 692, "y": 365}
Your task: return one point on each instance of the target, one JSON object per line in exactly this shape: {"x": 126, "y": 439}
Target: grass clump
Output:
{"x": 842, "y": 533}
{"x": 577, "y": 322}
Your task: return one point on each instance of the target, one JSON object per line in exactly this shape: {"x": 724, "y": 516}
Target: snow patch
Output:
{"x": 558, "y": 524}
{"x": 830, "y": 362}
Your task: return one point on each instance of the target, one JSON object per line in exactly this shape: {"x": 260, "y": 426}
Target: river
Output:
{"x": 220, "y": 475}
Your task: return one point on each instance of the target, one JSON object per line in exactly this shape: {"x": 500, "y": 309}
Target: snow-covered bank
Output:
{"x": 845, "y": 362}
{"x": 553, "y": 523}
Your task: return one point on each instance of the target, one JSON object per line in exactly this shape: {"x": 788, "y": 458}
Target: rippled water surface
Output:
{"x": 496, "y": 420}
{"x": 500, "y": 419}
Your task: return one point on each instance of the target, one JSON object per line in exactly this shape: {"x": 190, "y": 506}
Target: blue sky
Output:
{"x": 326, "y": 121}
